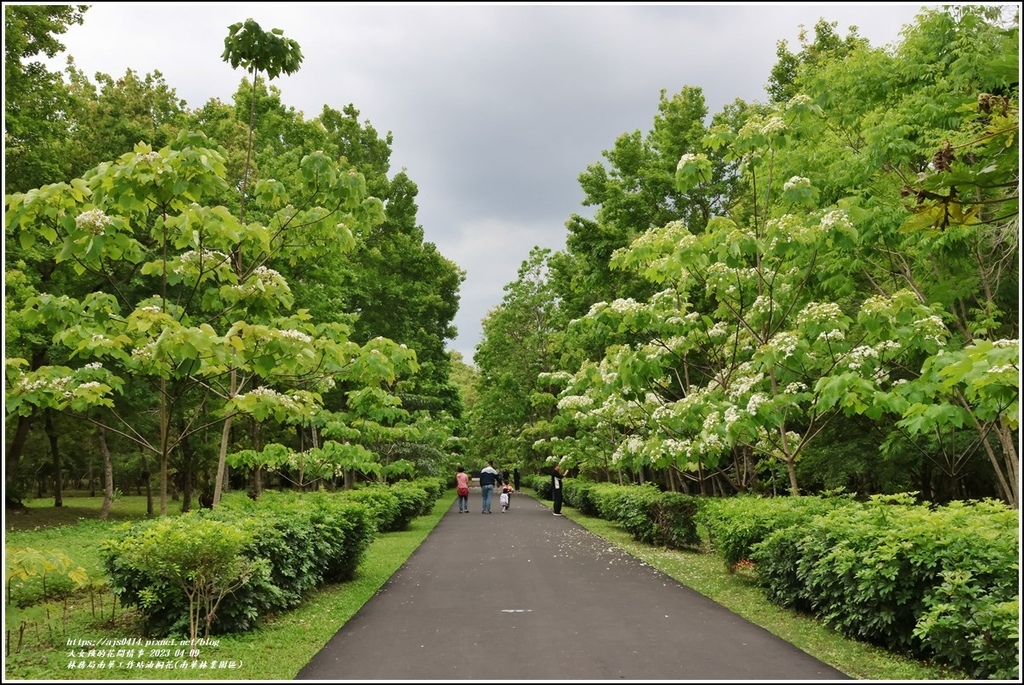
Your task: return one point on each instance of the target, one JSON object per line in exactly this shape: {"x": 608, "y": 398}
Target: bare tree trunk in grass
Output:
{"x": 58, "y": 476}
{"x": 108, "y": 473}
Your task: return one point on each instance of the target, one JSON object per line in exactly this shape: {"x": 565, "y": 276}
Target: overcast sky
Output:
{"x": 495, "y": 108}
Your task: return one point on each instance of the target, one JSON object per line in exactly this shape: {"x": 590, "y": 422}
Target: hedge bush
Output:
{"x": 733, "y": 525}
{"x": 300, "y": 541}
{"x": 936, "y": 582}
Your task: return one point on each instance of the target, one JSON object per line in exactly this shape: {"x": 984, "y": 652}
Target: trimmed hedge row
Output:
{"x": 291, "y": 544}
{"x": 938, "y": 582}
{"x": 665, "y": 519}
{"x": 932, "y": 582}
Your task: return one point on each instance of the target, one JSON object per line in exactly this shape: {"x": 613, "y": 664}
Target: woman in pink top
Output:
{"x": 462, "y": 489}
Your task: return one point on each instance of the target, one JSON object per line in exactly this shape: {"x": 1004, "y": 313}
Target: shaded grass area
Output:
{"x": 40, "y": 514}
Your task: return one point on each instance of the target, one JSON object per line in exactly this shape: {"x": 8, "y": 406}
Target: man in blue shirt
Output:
{"x": 488, "y": 479}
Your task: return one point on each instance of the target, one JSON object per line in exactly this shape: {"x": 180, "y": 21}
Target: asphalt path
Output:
{"x": 526, "y": 595}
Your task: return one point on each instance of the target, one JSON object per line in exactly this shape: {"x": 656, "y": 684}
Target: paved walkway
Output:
{"x": 526, "y": 595}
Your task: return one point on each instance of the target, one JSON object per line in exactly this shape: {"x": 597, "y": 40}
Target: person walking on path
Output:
{"x": 556, "y": 488}
{"x": 488, "y": 479}
{"x": 462, "y": 489}
{"x": 515, "y": 478}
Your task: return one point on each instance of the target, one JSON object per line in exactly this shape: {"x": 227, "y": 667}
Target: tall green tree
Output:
{"x": 188, "y": 303}
{"x": 519, "y": 343}
{"x": 863, "y": 270}
{"x": 36, "y": 99}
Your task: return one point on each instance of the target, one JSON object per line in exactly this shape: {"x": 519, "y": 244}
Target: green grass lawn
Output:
{"x": 37, "y": 631}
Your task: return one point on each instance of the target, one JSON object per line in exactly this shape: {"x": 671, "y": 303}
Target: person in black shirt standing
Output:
{"x": 556, "y": 488}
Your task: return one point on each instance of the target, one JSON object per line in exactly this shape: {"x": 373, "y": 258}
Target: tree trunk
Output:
{"x": 256, "y": 486}
{"x": 148, "y": 481}
{"x": 108, "y": 473}
{"x": 187, "y": 464}
{"x": 58, "y": 476}
{"x": 164, "y": 435}
{"x": 92, "y": 479}
{"x": 14, "y": 452}
{"x": 225, "y": 437}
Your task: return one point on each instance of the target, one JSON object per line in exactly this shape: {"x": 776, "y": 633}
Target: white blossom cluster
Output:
{"x": 686, "y": 159}
{"x": 755, "y": 401}
{"x": 875, "y": 305}
{"x": 860, "y": 355}
{"x": 797, "y": 182}
{"x": 631, "y": 446}
{"x": 742, "y": 381}
{"x": 261, "y": 276}
{"x": 291, "y": 402}
{"x": 818, "y": 312}
{"x": 787, "y": 230}
{"x": 626, "y": 306}
{"x": 292, "y": 334}
{"x": 774, "y": 124}
{"x": 718, "y": 330}
{"x": 577, "y": 402}
{"x": 837, "y": 218}
{"x": 652, "y": 352}
{"x": 94, "y": 366}
{"x": 709, "y": 443}
{"x": 94, "y": 221}
{"x": 711, "y": 422}
{"x": 834, "y": 334}
{"x": 326, "y": 384}
{"x": 667, "y": 412}
{"x": 785, "y": 343}
{"x": 27, "y": 386}
{"x": 672, "y": 447}
{"x": 932, "y": 328}
{"x": 798, "y": 99}
{"x": 195, "y": 259}
{"x": 615, "y": 410}
{"x": 732, "y": 415}
{"x": 146, "y": 352}
{"x": 787, "y": 224}
{"x": 795, "y": 387}
{"x": 722, "y": 276}
{"x": 149, "y": 157}
{"x": 555, "y": 376}
{"x": 56, "y": 385}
